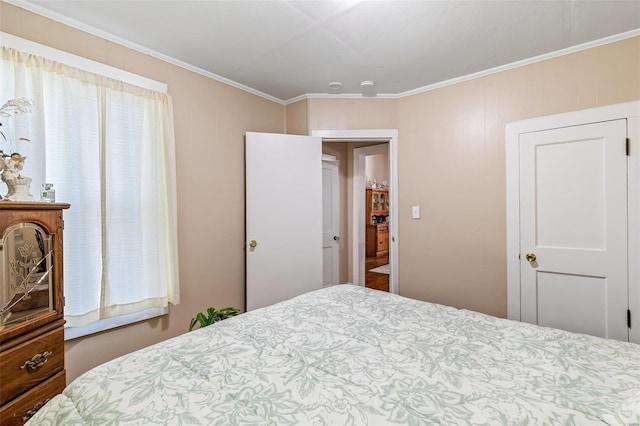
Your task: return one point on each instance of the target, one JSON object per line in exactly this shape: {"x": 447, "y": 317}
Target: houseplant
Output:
{"x": 213, "y": 315}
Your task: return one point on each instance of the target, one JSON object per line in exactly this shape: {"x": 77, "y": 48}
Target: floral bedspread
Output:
{"x": 346, "y": 355}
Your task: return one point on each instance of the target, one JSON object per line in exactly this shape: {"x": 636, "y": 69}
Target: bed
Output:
{"x": 349, "y": 355}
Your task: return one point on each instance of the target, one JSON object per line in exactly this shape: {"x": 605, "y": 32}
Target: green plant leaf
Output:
{"x": 202, "y": 319}
{"x": 193, "y": 323}
{"x": 213, "y": 315}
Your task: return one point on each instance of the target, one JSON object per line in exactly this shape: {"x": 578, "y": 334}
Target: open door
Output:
{"x": 283, "y": 210}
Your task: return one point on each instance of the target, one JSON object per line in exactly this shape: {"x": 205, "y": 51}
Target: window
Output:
{"x": 108, "y": 147}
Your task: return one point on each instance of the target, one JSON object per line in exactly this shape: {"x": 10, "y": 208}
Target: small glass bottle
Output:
{"x": 48, "y": 194}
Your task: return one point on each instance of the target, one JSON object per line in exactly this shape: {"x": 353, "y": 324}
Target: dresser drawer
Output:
{"x": 21, "y": 409}
{"x": 24, "y": 366}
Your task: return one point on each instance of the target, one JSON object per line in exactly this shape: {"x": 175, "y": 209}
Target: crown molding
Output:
{"x": 339, "y": 96}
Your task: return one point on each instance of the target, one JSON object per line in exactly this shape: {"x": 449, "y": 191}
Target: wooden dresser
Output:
{"x": 31, "y": 308}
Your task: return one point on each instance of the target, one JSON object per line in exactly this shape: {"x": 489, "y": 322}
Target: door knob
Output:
{"x": 531, "y": 257}
{"x": 336, "y": 238}
{"x": 253, "y": 243}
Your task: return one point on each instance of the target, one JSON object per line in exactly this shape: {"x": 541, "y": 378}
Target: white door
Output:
{"x": 283, "y": 220}
{"x": 330, "y": 224}
{"x": 573, "y": 218}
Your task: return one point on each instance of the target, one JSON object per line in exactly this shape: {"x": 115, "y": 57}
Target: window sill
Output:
{"x": 109, "y": 323}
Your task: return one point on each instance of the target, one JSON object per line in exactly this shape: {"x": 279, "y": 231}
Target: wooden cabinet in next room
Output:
{"x": 377, "y": 232}
{"x": 377, "y": 244}
{"x": 377, "y": 206}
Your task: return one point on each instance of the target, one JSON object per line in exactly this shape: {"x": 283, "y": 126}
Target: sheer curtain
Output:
{"x": 108, "y": 148}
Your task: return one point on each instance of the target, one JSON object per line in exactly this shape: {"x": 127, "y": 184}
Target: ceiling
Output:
{"x": 286, "y": 49}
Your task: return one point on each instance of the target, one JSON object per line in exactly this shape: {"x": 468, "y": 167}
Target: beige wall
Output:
{"x": 452, "y": 163}
{"x": 346, "y": 114}
{"x": 210, "y": 121}
{"x": 296, "y": 118}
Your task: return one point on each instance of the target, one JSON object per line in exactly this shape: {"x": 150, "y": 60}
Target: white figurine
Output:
{"x": 18, "y": 185}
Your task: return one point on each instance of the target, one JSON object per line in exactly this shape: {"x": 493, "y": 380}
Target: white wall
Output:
{"x": 377, "y": 167}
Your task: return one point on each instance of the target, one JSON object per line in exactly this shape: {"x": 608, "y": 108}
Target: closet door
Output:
{"x": 573, "y": 228}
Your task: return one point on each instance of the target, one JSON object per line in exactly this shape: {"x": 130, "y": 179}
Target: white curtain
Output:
{"x": 108, "y": 148}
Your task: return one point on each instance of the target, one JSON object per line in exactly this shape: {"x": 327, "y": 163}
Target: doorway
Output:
{"x": 279, "y": 184}
{"x": 354, "y": 235}
{"x": 376, "y": 224}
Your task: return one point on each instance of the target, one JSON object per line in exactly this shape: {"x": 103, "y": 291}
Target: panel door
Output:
{"x": 330, "y": 224}
{"x": 573, "y": 207}
{"x": 283, "y": 220}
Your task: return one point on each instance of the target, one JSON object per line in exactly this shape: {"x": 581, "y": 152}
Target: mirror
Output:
{"x": 26, "y": 276}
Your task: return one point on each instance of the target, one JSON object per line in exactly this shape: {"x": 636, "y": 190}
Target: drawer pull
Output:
{"x": 36, "y": 362}
{"x": 34, "y": 410}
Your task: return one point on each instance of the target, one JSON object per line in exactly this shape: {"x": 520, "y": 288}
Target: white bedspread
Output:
{"x": 348, "y": 355}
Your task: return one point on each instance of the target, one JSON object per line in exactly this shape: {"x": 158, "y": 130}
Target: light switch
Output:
{"x": 415, "y": 212}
